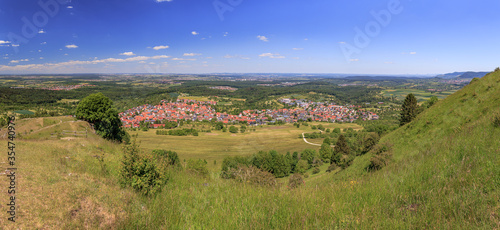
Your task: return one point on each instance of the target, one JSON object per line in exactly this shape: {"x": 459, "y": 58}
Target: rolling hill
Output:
{"x": 443, "y": 172}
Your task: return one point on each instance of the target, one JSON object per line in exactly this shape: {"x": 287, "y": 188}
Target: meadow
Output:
{"x": 421, "y": 95}
{"x": 217, "y": 145}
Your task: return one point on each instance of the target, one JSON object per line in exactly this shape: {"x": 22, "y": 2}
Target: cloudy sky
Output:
{"x": 248, "y": 36}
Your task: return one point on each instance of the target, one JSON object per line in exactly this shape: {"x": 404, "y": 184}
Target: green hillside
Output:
{"x": 443, "y": 172}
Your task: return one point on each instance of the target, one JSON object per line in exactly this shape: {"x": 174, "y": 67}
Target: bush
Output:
{"x": 316, "y": 170}
{"x": 496, "y": 120}
{"x": 140, "y": 171}
{"x": 381, "y": 157}
{"x": 332, "y": 167}
{"x": 198, "y": 167}
{"x": 233, "y": 129}
{"x": 253, "y": 175}
{"x": 171, "y": 157}
{"x": 295, "y": 181}
{"x": 301, "y": 167}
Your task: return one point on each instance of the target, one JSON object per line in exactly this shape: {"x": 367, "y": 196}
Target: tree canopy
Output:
{"x": 409, "y": 110}
{"x": 98, "y": 110}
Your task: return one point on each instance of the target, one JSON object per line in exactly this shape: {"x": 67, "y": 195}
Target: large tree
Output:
{"x": 409, "y": 110}
{"x": 341, "y": 148}
{"x": 98, "y": 110}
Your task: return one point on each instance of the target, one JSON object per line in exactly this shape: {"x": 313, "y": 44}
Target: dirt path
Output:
{"x": 303, "y": 137}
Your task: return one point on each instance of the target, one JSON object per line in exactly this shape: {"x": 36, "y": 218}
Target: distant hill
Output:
{"x": 462, "y": 75}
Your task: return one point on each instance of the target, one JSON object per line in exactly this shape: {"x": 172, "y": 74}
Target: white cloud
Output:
{"x": 296, "y": 58}
{"x": 389, "y": 62}
{"x": 41, "y": 57}
{"x": 190, "y": 54}
{"x": 298, "y": 48}
{"x": 271, "y": 55}
{"x": 70, "y": 7}
{"x": 413, "y": 53}
{"x": 183, "y": 59}
{"x": 128, "y": 53}
{"x": 43, "y": 43}
{"x": 4, "y": 42}
{"x": 342, "y": 42}
{"x": 17, "y": 61}
{"x": 160, "y": 47}
{"x": 306, "y": 39}
{"x": 225, "y": 34}
{"x": 353, "y": 60}
{"x": 42, "y": 31}
{"x": 194, "y": 33}
{"x": 263, "y": 38}
{"x": 236, "y": 56}
{"x": 163, "y": 1}
{"x": 71, "y": 64}
{"x": 72, "y": 46}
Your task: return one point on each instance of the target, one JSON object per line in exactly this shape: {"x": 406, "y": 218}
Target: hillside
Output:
{"x": 443, "y": 174}
{"x": 462, "y": 75}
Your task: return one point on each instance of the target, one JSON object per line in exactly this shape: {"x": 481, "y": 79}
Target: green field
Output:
{"x": 421, "y": 95}
{"x": 217, "y": 145}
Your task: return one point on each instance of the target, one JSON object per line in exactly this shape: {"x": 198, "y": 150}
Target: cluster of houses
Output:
{"x": 184, "y": 109}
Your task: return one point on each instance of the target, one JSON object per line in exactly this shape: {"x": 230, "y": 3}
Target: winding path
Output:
{"x": 308, "y": 141}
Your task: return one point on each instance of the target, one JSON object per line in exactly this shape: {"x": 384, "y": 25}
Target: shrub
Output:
{"x": 346, "y": 161}
{"x": 496, "y": 120}
{"x": 140, "y": 171}
{"x": 316, "y": 170}
{"x": 381, "y": 157}
{"x": 198, "y": 167}
{"x": 232, "y": 163}
{"x": 233, "y": 129}
{"x": 253, "y": 175}
{"x": 171, "y": 157}
{"x": 295, "y": 181}
{"x": 301, "y": 167}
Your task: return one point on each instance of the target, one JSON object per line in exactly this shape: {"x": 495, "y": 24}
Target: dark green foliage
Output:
{"x": 178, "y": 132}
{"x": 381, "y": 156}
{"x": 98, "y": 110}
{"x": 302, "y": 167}
{"x": 496, "y": 120}
{"x": 370, "y": 142}
{"x": 409, "y": 109}
{"x": 295, "y": 181}
{"x": 326, "y": 152}
{"x": 341, "y": 146}
{"x": 332, "y": 167}
{"x": 316, "y": 170}
{"x": 233, "y": 129}
{"x": 219, "y": 125}
{"x": 197, "y": 166}
{"x": 327, "y": 141}
{"x": 232, "y": 163}
{"x": 336, "y": 130}
{"x": 171, "y": 157}
{"x": 308, "y": 155}
{"x": 346, "y": 161}
{"x": 243, "y": 129}
{"x": 141, "y": 171}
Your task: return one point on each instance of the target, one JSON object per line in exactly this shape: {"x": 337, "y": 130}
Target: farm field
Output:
{"x": 217, "y": 145}
{"x": 421, "y": 95}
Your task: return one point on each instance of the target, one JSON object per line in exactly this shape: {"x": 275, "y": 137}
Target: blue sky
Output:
{"x": 248, "y": 36}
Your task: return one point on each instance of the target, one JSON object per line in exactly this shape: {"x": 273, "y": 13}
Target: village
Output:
{"x": 192, "y": 110}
